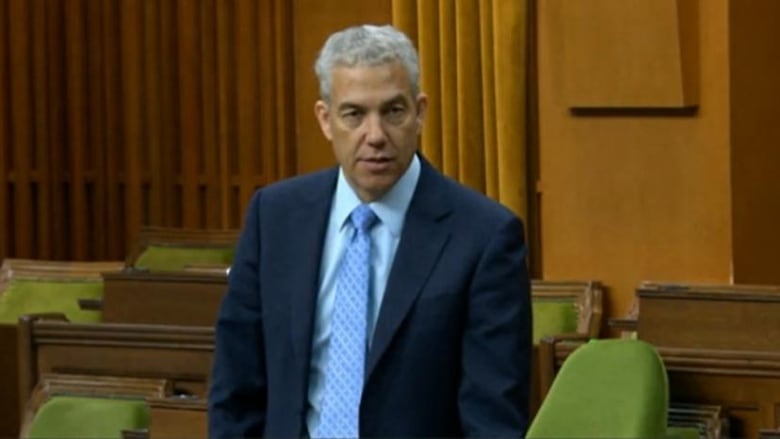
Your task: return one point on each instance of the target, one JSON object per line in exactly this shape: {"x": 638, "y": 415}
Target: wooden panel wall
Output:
{"x": 646, "y": 58}
{"x": 755, "y": 137}
{"x": 316, "y": 19}
{"x": 635, "y": 195}
{"x": 119, "y": 113}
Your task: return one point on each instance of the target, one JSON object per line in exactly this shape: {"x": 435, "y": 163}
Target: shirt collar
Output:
{"x": 390, "y": 208}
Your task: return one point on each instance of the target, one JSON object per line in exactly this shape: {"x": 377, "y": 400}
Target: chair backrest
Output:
{"x": 561, "y": 307}
{"x": 613, "y": 388}
{"x": 172, "y": 249}
{"x": 38, "y": 286}
{"x": 85, "y": 406}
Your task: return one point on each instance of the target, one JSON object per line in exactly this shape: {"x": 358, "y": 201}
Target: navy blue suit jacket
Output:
{"x": 452, "y": 347}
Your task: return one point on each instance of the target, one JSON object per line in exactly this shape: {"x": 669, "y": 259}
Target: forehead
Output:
{"x": 369, "y": 82}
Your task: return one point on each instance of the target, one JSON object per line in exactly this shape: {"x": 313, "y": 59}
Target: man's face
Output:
{"x": 373, "y": 122}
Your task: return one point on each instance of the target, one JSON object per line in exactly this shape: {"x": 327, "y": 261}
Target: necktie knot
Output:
{"x": 363, "y": 218}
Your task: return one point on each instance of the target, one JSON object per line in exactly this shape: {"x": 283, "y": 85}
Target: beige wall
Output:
{"x": 632, "y": 196}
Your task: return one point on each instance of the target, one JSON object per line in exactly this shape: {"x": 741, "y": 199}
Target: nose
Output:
{"x": 375, "y": 132}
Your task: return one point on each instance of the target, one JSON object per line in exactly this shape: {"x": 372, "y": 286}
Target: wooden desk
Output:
{"x": 721, "y": 345}
{"x": 176, "y": 418}
{"x": 710, "y": 317}
{"x": 179, "y": 354}
{"x": 746, "y": 384}
{"x": 189, "y": 299}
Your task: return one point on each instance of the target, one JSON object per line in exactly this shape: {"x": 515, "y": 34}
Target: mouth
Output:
{"x": 376, "y": 159}
{"x": 376, "y": 164}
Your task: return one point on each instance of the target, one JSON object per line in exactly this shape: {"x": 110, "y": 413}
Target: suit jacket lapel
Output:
{"x": 303, "y": 255}
{"x": 422, "y": 241}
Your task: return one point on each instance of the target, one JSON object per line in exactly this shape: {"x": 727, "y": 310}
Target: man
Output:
{"x": 378, "y": 298}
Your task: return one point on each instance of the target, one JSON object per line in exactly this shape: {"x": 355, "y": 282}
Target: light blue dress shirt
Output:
{"x": 385, "y": 235}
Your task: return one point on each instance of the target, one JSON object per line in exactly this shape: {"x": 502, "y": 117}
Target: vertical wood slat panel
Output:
{"x": 169, "y": 122}
{"x": 189, "y": 101}
{"x": 21, "y": 121}
{"x": 114, "y": 215}
{"x": 283, "y": 81}
{"x": 153, "y": 106}
{"x": 106, "y": 85}
{"x": 267, "y": 141}
{"x": 56, "y": 131}
{"x": 76, "y": 124}
{"x": 211, "y": 154}
{"x": 246, "y": 83}
{"x": 132, "y": 82}
{"x": 5, "y": 236}
{"x": 42, "y": 201}
{"x": 98, "y": 204}
{"x": 225, "y": 75}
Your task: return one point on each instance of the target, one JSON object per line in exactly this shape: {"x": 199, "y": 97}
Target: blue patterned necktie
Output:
{"x": 347, "y": 347}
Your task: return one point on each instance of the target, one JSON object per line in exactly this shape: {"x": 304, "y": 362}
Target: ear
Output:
{"x": 322, "y": 112}
{"x": 422, "y": 108}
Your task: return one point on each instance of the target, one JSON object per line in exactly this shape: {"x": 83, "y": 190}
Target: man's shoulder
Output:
{"x": 472, "y": 202}
{"x": 305, "y": 185}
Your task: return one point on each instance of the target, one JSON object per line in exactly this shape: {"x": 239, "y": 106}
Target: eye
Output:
{"x": 351, "y": 116}
{"x": 396, "y": 113}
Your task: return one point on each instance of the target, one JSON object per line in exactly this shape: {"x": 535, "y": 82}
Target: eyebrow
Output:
{"x": 393, "y": 100}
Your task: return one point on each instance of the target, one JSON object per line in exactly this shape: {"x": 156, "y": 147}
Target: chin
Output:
{"x": 376, "y": 190}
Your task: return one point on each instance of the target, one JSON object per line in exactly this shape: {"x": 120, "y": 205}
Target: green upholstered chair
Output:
{"x": 88, "y": 417}
{"x": 172, "y": 258}
{"x": 34, "y": 296}
{"x": 170, "y": 249}
{"x": 566, "y": 307}
{"x": 33, "y": 287}
{"x": 553, "y": 317}
{"x": 611, "y": 388}
{"x": 84, "y": 406}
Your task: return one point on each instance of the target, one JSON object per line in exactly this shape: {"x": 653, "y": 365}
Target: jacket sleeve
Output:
{"x": 497, "y": 348}
{"x": 237, "y": 396}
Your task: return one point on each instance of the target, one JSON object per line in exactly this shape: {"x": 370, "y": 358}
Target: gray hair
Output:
{"x": 366, "y": 45}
